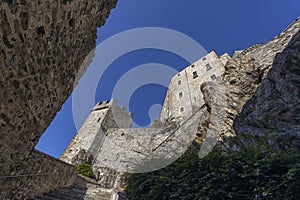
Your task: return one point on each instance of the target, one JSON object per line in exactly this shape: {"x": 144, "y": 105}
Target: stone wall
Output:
{"x": 107, "y": 142}
{"x": 144, "y": 150}
{"x": 43, "y": 46}
{"x": 91, "y": 135}
{"x": 38, "y": 173}
{"x": 224, "y": 58}
{"x": 87, "y": 133}
{"x": 184, "y": 95}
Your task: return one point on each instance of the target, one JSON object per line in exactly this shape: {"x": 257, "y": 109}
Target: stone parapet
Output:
{"x": 37, "y": 174}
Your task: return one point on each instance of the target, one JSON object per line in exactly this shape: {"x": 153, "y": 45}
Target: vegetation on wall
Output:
{"x": 85, "y": 170}
{"x": 258, "y": 172}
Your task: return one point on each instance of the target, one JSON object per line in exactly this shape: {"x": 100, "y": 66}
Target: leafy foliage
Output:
{"x": 258, "y": 172}
{"x": 85, "y": 170}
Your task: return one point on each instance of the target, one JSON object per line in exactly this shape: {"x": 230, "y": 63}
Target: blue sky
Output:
{"x": 223, "y": 26}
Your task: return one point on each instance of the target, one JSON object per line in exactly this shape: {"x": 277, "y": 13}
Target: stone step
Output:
{"x": 65, "y": 195}
{"x": 76, "y": 193}
{"x": 83, "y": 189}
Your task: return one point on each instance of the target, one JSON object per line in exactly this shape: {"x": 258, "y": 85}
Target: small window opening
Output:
{"x": 213, "y": 77}
{"x": 208, "y": 67}
{"x": 195, "y": 75}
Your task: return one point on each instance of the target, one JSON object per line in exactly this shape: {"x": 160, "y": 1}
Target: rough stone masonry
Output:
{"x": 106, "y": 139}
{"x": 42, "y": 46}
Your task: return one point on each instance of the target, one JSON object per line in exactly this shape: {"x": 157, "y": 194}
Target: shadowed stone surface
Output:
{"x": 42, "y": 46}
{"x": 274, "y": 110}
{"x": 245, "y": 71}
{"x": 83, "y": 189}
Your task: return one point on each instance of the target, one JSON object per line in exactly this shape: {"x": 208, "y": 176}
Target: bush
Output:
{"x": 85, "y": 170}
{"x": 258, "y": 172}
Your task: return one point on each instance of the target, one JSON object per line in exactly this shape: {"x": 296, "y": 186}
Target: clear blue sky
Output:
{"x": 223, "y": 26}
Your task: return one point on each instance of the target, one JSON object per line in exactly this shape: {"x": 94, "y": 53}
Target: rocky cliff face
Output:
{"x": 274, "y": 109}
{"x": 262, "y": 88}
{"x": 42, "y": 46}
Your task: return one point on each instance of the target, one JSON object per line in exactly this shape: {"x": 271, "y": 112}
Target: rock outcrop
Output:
{"x": 274, "y": 106}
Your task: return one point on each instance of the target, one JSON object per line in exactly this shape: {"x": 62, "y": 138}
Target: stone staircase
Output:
{"x": 74, "y": 193}
{"x": 86, "y": 191}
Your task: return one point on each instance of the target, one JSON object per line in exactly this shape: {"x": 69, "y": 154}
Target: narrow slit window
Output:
{"x": 180, "y": 94}
{"x": 179, "y": 82}
{"x": 182, "y": 109}
{"x": 195, "y": 75}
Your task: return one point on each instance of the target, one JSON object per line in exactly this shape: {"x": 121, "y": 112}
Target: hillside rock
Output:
{"x": 275, "y": 107}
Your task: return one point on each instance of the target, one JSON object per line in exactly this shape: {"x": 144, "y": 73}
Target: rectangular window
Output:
{"x": 213, "y": 77}
{"x": 204, "y": 59}
{"x": 182, "y": 109}
{"x": 179, "y": 82}
{"x": 208, "y": 67}
{"x": 180, "y": 94}
{"x": 195, "y": 75}
{"x": 178, "y": 75}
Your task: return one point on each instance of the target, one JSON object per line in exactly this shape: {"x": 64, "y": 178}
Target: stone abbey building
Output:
{"x": 184, "y": 95}
{"x": 108, "y": 143}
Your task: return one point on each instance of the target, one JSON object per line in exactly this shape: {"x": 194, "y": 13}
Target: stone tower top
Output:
{"x": 103, "y": 104}
{"x": 105, "y": 115}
